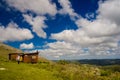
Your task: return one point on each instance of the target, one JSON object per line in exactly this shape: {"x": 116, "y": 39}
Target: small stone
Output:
{"x": 2, "y": 68}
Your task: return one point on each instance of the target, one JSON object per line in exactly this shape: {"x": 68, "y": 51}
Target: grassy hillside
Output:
{"x": 5, "y": 50}
{"x": 48, "y": 70}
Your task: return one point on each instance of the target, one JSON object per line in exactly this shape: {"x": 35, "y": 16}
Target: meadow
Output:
{"x": 60, "y": 70}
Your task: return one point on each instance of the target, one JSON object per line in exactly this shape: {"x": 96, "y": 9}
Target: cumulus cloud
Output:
{"x": 60, "y": 49}
{"x": 66, "y": 50}
{"x": 37, "y": 23}
{"x": 40, "y": 7}
{"x": 101, "y": 30}
{"x": 101, "y": 36}
{"x": 100, "y": 27}
{"x": 110, "y": 10}
{"x": 107, "y": 23}
{"x": 79, "y": 37}
{"x": 26, "y": 46}
{"x": 67, "y": 9}
{"x": 90, "y": 15}
{"x": 13, "y": 33}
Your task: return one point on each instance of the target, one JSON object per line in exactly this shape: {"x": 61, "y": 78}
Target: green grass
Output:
{"x": 56, "y": 71}
{"x": 24, "y": 71}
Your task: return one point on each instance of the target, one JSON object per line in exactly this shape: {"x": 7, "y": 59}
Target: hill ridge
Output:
{"x": 6, "y": 49}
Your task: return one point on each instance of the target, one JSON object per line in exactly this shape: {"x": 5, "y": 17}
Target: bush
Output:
{"x": 105, "y": 73}
{"x": 63, "y": 62}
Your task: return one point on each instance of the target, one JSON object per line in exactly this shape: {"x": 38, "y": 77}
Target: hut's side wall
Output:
{"x": 27, "y": 58}
{"x": 34, "y": 58}
{"x": 30, "y": 58}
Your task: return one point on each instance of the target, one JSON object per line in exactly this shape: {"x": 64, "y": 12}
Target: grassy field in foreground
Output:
{"x": 48, "y": 70}
{"x": 56, "y": 71}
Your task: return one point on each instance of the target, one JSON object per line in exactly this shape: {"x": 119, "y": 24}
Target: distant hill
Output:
{"x": 100, "y": 62}
{"x": 5, "y": 50}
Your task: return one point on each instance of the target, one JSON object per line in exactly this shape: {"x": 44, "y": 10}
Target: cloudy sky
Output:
{"x": 62, "y": 29}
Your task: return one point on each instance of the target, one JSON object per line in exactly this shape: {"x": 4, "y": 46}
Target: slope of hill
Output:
{"x": 5, "y": 50}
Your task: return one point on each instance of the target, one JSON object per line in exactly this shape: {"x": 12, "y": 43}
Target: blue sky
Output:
{"x": 62, "y": 29}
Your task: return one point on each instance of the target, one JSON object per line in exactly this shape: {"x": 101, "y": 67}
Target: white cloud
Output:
{"x": 37, "y": 23}
{"x": 100, "y": 27}
{"x": 107, "y": 23}
{"x": 110, "y": 10}
{"x": 101, "y": 30}
{"x": 100, "y": 35}
{"x": 26, "y": 46}
{"x": 67, "y": 9}
{"x": 90, "y": 15}
{"x": 13, "y": 33}
{"x": 58, "y": 50}
{"x": 65, "y": 50}
{"x": 78, "y": 37}
{"x": 40, "y": 7}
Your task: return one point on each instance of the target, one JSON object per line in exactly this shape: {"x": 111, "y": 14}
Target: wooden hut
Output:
{"x": 13, "y": 56}
{"x": 26, "y": 57}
